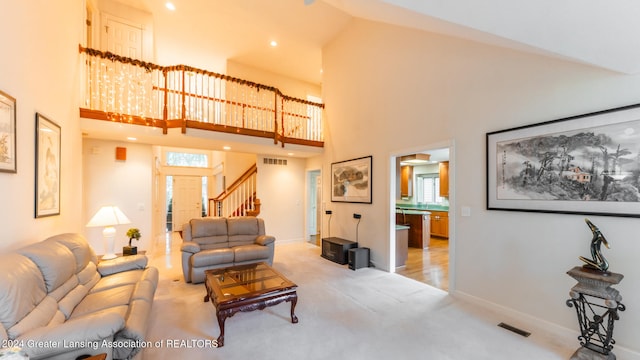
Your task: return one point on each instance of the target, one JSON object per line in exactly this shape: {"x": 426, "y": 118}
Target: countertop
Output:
{"x": 419, "y": 209}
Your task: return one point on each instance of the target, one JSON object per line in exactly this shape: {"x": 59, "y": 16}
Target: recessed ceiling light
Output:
{"x": 132, "y": 138}
{"x": 227, "y": 147}
{"x": 170, "y": 6}
{"x": 273, "y": 43}
{"x": 290, "y": 154}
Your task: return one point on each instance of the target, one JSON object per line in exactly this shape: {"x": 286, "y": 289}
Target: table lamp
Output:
{"x": 108, "y": 216}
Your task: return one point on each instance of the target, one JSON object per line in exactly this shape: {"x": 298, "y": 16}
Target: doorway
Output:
{"x": 314, "y": 211}
{"x": 421, "y": 214}
{"x": 185, "y": 200}
{"x": 122, "y": 37}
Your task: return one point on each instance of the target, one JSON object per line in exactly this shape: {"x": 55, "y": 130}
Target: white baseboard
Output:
{"x": 621, "y": 353}
{"x": 288, "y": 241}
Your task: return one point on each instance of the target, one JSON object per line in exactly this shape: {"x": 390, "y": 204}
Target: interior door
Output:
{"x": 318, "y": 208}
{"x": 187, "y": 200}
{"x": 122, "y": 37}
{"x": 313, "y": 212}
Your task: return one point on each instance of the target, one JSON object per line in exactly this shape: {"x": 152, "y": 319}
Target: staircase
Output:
{"x": 239, "y": 199}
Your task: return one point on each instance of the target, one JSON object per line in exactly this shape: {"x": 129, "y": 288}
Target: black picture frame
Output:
{"x": 8, "y": 139}
{"x": 351, "y": 180}
{"x": 47, "y": 166}
{"x": 586, "y": 164}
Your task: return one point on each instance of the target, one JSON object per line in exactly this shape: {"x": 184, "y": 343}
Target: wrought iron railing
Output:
{"x": 122, "y": 89}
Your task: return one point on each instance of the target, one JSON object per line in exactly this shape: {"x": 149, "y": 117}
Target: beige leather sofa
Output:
{"x": 217, "y": 242}
{"x": 57, "y": 301}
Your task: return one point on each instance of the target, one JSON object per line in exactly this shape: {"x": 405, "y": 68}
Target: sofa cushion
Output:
{"x": 212, "y": 257}
{"x": 210, "y": 233}
{"x": 22, "y": 288}
{"x": 72, "y": 299}
{"x": 55, "y": 261}
{"x": 122, "y": 264}
{"x": 78, "y": 246}
{"x": 250, "y": 253}
{"x": 119, "y": 279}
{"x": 243, "y": 230}
{"x": 101, "y": 300}
{"x": 38, "y": 317}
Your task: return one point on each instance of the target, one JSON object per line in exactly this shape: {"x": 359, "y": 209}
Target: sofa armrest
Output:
{"x": 87, "y": 330}
{"x": 190, "y": 247}
{"x": 265, "y": 240}
{"x": 122, "y": 263}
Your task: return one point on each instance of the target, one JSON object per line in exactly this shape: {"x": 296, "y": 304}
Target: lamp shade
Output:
{"x": 108, "y": 216}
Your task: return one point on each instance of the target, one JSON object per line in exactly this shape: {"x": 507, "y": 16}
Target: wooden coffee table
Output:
{"x": 247, "y": 288}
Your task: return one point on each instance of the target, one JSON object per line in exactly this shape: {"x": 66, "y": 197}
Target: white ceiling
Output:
{"x": 595, "y": 32}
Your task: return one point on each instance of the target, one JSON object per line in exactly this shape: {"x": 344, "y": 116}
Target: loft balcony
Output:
{"x": 129, "y": 91}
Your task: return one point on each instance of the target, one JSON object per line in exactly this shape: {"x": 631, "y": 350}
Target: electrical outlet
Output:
{"x": 357, "y": 216}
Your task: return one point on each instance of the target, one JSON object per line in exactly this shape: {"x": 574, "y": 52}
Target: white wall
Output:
{"x": 236, "y": 164}
{"x": 401, "y": 89}
{"x": 39, "y": 68}
{"x": 281, "y": 192}
{"x": 126, "y": 184}
{"x": 288, "y": 86}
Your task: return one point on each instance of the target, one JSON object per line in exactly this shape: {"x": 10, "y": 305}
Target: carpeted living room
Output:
{"x": 313, "y": 105}
{"x": 362, "y": 314}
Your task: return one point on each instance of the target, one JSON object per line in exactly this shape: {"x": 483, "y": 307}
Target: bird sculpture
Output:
{"x": 597, "y": 261}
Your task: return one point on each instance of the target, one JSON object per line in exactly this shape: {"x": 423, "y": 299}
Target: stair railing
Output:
{"x": 121, "y": 89}
{"x": 239, "y": 199}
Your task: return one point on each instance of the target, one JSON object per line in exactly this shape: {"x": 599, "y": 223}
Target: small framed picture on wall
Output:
{"x": 47, "y": 192}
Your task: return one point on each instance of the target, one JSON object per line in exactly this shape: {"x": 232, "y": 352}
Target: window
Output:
{"x": 428, "y": 186}
{"x": 187, "y": 159}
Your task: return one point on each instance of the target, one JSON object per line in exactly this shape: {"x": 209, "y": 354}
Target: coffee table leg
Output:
{"x": 294, "y": 301}
{"x": 221, "y": 319}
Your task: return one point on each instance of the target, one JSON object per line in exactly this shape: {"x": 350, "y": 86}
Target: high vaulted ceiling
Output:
{"x": 600, "y": 33}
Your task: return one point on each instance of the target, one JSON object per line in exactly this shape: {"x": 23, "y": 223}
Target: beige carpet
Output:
{"x": 344, "y": 314}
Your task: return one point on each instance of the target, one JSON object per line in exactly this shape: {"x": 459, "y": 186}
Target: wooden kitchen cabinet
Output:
{"x": 444, "y": 178}
{"x": 440, "y": 224}
{"x": 406, "y": 181}
{"x": 415, "y": 230}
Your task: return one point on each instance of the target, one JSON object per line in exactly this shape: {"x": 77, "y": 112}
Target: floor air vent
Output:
{"x": 514, "y": 329}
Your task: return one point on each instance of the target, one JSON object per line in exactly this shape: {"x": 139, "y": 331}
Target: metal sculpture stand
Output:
{"x": 597, "y": 305}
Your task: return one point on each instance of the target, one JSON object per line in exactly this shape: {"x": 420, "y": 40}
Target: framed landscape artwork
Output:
{"x": 47, "y": 192}
{"x": 351, "y": 180}
{"x": 585, "y": 164}
{"x": 8, "y": 161}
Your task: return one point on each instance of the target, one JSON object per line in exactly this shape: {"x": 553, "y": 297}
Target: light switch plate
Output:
{"x": 465, "y": 211}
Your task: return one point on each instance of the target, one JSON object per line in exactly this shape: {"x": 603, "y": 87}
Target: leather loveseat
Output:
{"x": 57, "y": 301}
{"x": 218, "y": 242}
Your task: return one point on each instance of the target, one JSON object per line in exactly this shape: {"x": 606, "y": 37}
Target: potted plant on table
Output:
{"x": 132, "y": 233}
